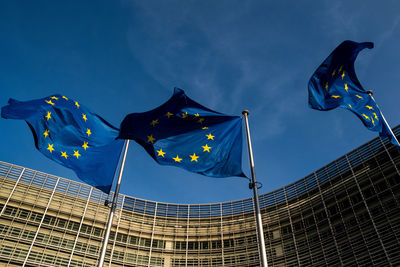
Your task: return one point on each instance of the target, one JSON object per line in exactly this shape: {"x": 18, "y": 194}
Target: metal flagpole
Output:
{"x": 113, "y": 206}
{"x": 384, "y": 119}
{"x": 253, "y": 185}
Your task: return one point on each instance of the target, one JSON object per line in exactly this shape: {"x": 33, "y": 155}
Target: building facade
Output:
{"x": 345, "y": 214}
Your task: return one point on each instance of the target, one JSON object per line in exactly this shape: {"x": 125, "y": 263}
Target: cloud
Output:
{"x": 388, "y": 32}
{"x": 227, "y": 62}
{"x": 231, "y": 55}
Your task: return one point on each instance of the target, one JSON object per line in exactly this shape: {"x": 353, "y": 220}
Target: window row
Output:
{"x": 84, "y": 247}
{"x": 16, "y": 253}
{"x": 87, "y": 229}
{"x": 217, "y": 244}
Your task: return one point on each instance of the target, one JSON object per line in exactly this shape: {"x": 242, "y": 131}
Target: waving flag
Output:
{"x": 335, "y": 84}
{"x": 185, "y": 134}
{"x": 71, "y": 135}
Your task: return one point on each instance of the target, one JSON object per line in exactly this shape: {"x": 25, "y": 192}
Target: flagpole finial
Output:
{"x": 370, "y": 92}
{"x": 245, "y": 112}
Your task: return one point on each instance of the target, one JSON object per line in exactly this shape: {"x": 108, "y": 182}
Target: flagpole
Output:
{"x": 384, "y": 119}
{"x": 113, "y": 206}
{"x": 253, "y": 185}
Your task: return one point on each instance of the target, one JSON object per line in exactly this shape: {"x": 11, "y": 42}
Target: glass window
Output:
{"x": 49, "y": 220}
{"x": 93, "y": 249}
{"x": 28, "y": 235}
{"x": 55, "y": 240}
{"x": 61, "y": 223}
{"x": 23, "y": 214}
{"x": 133, "y": 240}
{"x": 122, "y": 237}
{"x": 73, "y": 226}
{"x": 10, "y": 211}
{"x": 36, "y": 217}
{"x": 130, "y": 257}
{"x": 6, "y": 251}
{"x": 15, "y": 232}
{"x": 66, "y": 243}
{"x": 19, "y": 253}
{"x": 4, "y": 228}
{"x": 99, "y": 232}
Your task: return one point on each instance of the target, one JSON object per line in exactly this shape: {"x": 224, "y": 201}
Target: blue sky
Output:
{"x": 119, "y": 57}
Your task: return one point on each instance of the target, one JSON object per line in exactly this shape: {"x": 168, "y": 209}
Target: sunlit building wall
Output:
{"x": 344, "y": 214}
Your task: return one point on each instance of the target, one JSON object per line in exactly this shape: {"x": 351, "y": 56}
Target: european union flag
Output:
{"x": 71, "y": 135}
{"x": 335, "y": 84}
{"x": 186, "y": 134}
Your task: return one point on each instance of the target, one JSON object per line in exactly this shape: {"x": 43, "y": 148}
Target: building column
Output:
{"x": 368, "y": 211}
{"x": 80, "y": 226}
{"x": 41, "y": 222}
{"x": 12, "y": 191}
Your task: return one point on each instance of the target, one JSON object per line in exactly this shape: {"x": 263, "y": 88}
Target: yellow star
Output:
{"x": 210, "y": 136}
{"x": 76, "y": 154}
{"x": 160, "y": 153}
{"x": 369, "y": 107}
{"x": 46, "y": 133}
{"x": 376, "y": 117}
{"x": 76, "y": 104}
{"x": 50, "y": 148}
{"x": 206, "y": 148}
{"x": 345, "y": 87}
{"x": 340, "y": 69}
{"x": 333, "y": 73}
{"x": 64, "y": 154}
{"x": 196, "y": 115}
{"x": 48, "y": 116}
{"x": 365, "y": 116}
{"x": 49, "y": 102}
{"x": 200, "y": 120}
{"x": 372, "y": 119}
{"x": 177, "y": 159}
{"x": 84, "y": 117}
{"x": 193, "y": 157}
{"x": 326, "y": 86}
{"x": 54, "y": 97}
{"x": 350, "y": 106}
{"x": 204, "y": 128}
{"x": 184, "y": 115}
{"x": 335, "y": 96}
{"x": 359, "y": 96}
{"x": 85, "y": 145}
{"x": 154, "y": 122}
{"x": 343, "y": 75}
{"x": 65, "y": 98}
{"x": 168, "y": 114}
{"x": 88, "y": 132}
{"x": 151, "y": 139}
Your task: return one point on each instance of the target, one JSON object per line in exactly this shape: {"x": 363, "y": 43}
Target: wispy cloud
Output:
{"x": 243, "y": 59}
{"x": 226, "y": 68}
{"x": 389, "y": 32}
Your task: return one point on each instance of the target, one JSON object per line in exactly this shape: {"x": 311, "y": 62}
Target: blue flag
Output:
{"x": 71, "y": 135}
{"x": 335, "y": 84}
{"x": 185, "y": 134}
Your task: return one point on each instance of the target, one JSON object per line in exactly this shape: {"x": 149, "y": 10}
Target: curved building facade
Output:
{"x": 344, "y": 214}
